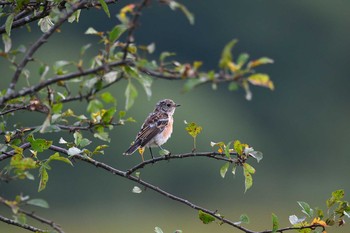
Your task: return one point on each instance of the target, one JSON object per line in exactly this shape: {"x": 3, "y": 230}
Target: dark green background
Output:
{"x": 302, "y": 127}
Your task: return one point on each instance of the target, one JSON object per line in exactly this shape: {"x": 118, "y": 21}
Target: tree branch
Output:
{"x": 28, "y": 19}
{"x": 34, "y": 216}
{"x": 56, "y": 79}
{"x": 29, "y": 55}
{"x": 133, "y": 25}
{"x": 24, "y": 226}
{"x": 6, "y": 155}
{"x": 42, "y": 220}
{"x": 213, "y": 155}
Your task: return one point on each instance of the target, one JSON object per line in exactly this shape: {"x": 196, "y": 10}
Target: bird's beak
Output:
{"x": 177, "y": 105}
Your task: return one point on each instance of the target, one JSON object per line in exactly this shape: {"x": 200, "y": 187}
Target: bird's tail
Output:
{"x": 136, "y": 145}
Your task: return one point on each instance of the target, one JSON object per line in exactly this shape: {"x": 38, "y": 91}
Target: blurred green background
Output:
{"x": 302, "y": 127}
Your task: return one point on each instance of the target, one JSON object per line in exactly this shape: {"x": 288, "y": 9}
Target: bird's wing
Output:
{"x": 153, "y": 125}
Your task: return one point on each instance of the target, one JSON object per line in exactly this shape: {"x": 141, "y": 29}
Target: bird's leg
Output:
{"x": 150, "y": 150}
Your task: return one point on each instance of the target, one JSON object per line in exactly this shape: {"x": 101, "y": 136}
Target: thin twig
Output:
{"x": 58, "y": 78}
{"x": 29, "y": 55}
{"x": 42, "y": 220}
{"x": 28, "y": 19}
{"x": 6, "y": 155}
{"x": 213, "y": 155}
{"x": 133, "y": 25}
{"x": 23, "y": 226}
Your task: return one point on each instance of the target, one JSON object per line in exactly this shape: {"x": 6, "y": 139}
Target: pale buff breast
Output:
{"x": 163, "y": 137}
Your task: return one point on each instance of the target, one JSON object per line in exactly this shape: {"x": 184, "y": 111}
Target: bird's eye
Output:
{"x": 168, "y": 105}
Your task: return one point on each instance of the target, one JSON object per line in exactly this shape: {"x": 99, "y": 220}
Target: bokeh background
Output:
{"x": 302, "y": 127}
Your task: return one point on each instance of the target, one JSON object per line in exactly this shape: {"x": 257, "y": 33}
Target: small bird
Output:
{"x": 157, "y": 128}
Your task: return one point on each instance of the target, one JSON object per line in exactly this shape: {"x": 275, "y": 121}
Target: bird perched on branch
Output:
{"x": 157, "y": 128}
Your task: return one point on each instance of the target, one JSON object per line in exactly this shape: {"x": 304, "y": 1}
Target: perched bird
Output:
{"x": 157, "y": 128}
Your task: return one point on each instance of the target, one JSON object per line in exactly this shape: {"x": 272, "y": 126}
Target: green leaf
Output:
{"x": 107, "y": 97}
{"x": 192, "y": 83}
{"x": 249, "y": 168}
{"x": 105, "y": 7}
{"x": 158, "y": 230}
{"x": 244, "y": 219}
{"x": 260, "y": 61}
{"x": 57, "y": 108}
{"x": 116, "y": 32}
{"x": 146, "y": 83}
{"x": 164, "y": 152}
{"x": 104, "y": 136}
{"x": 99, "y": 149}
{"x": 57, "y": 157}
{"x": 193, "y": 129}
{"x": 224, "y": 169}
{"x": 164, "y": 55}
{"x": 234, "y": 167}
{"x": 226, "y": 56}
{"x": 233, "y": 86}
{"x": 306, "y": 208}
{"x": 275, "y": 223}
{"x": 336, "y": 196}
{"x": 242, "y": 59}
{"x": 7, "y": 43}
{"x": 248, "y": 179}
{"x": 227, "y": 150}
{"x": 91, "y": 31}
{"x": 38, "y": 145}
{"x": 21, "y": 163}
{"x": 130, "y": 95}
{"x": 261, "y": 80}
{"x": 94, "y": 106}
{"x": 8, "y": 23}
{"x": 38, "y": 202}
{"x": 205, "y": 218}
{"x": 45, "y": 24}
{"x": 238, "y": 147}
{"x": 175, "y": 5}
{"x": 44, "y": 177}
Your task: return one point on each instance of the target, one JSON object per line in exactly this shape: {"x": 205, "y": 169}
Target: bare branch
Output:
{"x": 42, "y": 220}
{"x": 24, "y": 226}
{"x": 213, "y": 155}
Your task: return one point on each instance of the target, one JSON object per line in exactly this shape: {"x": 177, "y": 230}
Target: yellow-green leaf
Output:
{"x": 130, "y": 95}
{"x": 8, "y": 23}
{"x": 226, "y": 56}
{"x": 260, "y": 61}
{"x": 193, "y": 129}
{"x": 261, "y": 80}
{"x": 224, "y": 169}
{"x": 44, "y": 177}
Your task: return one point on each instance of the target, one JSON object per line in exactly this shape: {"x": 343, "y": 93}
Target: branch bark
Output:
{"x": 23, "y": 226}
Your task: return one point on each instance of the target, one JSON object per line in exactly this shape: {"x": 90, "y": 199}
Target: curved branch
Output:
{"x": 213, "y": 155}
{"x": 24, "y": 226}
{"x": 56, "y": 79}
{"x": 150, "y": 186}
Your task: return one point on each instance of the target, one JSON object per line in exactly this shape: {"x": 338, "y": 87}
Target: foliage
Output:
{"x": 49, "y": 90}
